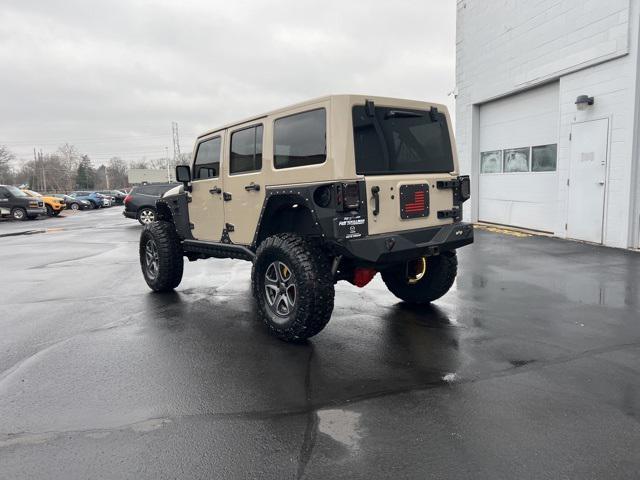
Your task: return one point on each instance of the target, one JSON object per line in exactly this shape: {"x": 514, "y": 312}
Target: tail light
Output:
{"x": 127, "y": 199}
{"x": 347, "y": 196}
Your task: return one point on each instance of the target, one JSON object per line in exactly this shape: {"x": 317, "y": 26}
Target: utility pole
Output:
{"x": 166, "y": 149}
{"x": 176, "y": 142}
{"x": 44, "y": 177}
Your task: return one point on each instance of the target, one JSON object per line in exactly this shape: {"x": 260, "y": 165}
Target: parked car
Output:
{"x": 116, "y": 195}
{"x": 141, "y": 202}
{"x": 72, "y": 203}
{"x": 53, "y": 204}
{"x": 94, "y": 198}
{"x": 107, "y": 200}
{"x": 18, "y": 204}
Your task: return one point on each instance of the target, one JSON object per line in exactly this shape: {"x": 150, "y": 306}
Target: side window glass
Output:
{"x": 300, "y": 139}
{"x": 207, "y": 163}
{"x": 246, "y": 150}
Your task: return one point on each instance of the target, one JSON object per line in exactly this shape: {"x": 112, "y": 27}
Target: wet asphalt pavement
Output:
{"x": 528, "y": 368}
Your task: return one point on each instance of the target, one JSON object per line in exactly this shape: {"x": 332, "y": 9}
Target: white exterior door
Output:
{"x": 587, "y": 177}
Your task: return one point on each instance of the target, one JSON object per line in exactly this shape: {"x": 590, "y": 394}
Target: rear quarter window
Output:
{"x": 300, "y": 139}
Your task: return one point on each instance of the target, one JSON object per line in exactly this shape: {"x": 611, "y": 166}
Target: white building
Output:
{"x": 537, "y": 159}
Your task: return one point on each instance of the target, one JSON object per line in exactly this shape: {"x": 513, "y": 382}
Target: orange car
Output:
{"x": 54, "y": 205}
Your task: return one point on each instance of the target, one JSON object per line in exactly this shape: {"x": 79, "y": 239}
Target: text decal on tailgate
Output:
{"x": 414, "y": 200}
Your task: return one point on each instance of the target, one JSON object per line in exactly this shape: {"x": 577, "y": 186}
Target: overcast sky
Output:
{"x": 111, "y": 76}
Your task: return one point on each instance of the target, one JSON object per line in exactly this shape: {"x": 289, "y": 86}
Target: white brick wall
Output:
{"x": 505, "y": 46}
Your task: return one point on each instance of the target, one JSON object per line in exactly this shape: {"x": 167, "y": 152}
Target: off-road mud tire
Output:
{"x": 49, "y": 211}
{"x": 314, "y": 283}
{"x": 170, "y": 256}
{"x": 438, "y": 279}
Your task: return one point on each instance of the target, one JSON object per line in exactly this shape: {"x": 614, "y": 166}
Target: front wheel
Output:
{"x": 161, "y": 256}
{"x": 422, "y": 280}
{"x": 75, "y": 207}
{"x": 293, "y": 287}
{"x": 49, "y": 211}
{"x": 19, "y": 213}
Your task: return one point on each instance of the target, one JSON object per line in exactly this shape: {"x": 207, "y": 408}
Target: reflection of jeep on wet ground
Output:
{"x": 337, "y": 188}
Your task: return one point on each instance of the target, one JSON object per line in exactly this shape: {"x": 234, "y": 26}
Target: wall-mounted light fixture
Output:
{"x": 584, "y": 101}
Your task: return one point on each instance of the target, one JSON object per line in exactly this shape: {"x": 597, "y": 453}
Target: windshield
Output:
{"x": 397, "y": 140}
{"x": 16, "y": 192}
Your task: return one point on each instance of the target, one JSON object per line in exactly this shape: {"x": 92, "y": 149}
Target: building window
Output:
{"x": 300, "y": 139}
{"x": 207, "y": 163}
{"x": 246, "y": 150}
{"x": 544, "y": 158}
{"x": 491, "y": 162}
{"x": 516, "y": 160}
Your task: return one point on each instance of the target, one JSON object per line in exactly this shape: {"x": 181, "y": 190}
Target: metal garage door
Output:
{"x": 518, "y": 159}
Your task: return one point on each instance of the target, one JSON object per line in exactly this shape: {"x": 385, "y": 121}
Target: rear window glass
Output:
{"x": 207, "y": 164}
{"x": 300, "y": 139}
{"x": 398, "y": 140}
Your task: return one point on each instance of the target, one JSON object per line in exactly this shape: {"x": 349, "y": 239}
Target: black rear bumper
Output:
{"x": 129, "y": 214}
{"x": 402, "y": 246}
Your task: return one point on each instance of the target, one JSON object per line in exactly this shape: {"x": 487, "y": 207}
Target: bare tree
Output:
{"x": 70, "y": 158}
{"x": 117, "y": 173}
{"x": 140, "y": 163}
{"x": 6, "y": 171}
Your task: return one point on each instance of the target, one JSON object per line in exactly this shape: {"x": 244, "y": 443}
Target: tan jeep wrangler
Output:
{"x": 336, "y": 188}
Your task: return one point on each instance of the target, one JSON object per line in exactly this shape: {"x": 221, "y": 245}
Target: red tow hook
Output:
{"x": 362, "y": 276}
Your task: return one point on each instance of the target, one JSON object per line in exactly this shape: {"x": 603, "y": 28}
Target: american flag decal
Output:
{"x": 414, "y": 201}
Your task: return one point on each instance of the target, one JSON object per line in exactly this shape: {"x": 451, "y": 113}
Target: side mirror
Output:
{"x": 183, "y": 175}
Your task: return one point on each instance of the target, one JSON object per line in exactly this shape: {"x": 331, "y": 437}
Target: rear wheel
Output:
{"x": 422, "y": 280}
{"x": 293, "y": 287}
{"x": 161, "y": 256}
{"x": 146, "y": 215}
{"x": 19, "y": 213}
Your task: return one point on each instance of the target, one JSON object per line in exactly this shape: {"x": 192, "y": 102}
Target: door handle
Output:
{"x": 375, "y": 190}
{"x": 601, "y": 182}
{"x": 252, "y": 186}
{"x": 215, "y": 190}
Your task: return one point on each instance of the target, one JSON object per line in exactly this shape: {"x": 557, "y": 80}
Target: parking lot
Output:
{"x": 528, "y": 368}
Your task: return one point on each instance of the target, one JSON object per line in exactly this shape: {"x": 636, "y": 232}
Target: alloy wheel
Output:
{"x": 280, "y": 289}
{"x": 147, "y": 216}
{"x": 152, "y": 259}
